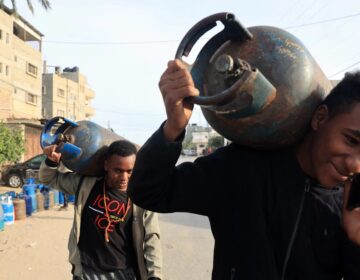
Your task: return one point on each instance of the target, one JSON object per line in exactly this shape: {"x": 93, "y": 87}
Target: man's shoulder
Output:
{"x": 240, "y": 151}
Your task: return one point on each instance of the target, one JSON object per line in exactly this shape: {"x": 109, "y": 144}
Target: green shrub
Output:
{"x": 11, "y": 144}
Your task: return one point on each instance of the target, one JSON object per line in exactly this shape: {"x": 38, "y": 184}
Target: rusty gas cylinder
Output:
{"x": 39, "y": 200}
{"x": 19, "y": 209}
{"x": 258, "y": 86}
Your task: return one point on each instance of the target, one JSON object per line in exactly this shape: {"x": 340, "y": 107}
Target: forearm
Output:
{"x": 65, "y": 182}
{"x": 158, "y": 185}
{"x": 153, "y": 168}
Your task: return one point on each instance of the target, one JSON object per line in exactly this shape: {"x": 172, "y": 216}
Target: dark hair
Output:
{"x": 121, "y": 148}
{"x": 344, "y": 95}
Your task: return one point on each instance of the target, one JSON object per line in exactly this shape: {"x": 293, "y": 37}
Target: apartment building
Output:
{"x": 66, "y": 93}
{"x": 199, "y": 136}
{"x": 20, "y": 67}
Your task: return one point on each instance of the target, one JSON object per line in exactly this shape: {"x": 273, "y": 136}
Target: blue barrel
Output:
{"x": 46, "y": 199}
{"x": 11, "y": 193}
{"x": 8, "y": 208}
{"x": 71, "y": 198}
{"x": 2, "y": 222}
{"x": 42, "y": 187}
{"x": 28, "y": 203}
{"x": 61, "y": 198}
{"x": 29, "y": 190}
{"x": 30, "y": 180}
{"x": 56, "y": 197}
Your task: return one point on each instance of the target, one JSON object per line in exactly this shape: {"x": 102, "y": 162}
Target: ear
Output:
{"x": 320, "y": 116}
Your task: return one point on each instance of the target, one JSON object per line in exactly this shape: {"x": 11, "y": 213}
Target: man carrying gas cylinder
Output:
{"x": 111, "y": 237}
{"x": 281, "y": 214}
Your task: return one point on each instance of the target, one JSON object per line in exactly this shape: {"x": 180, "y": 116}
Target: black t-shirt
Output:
{"x": 96, "y": 253}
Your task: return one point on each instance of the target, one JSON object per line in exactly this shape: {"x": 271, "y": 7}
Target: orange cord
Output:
{"x": 128, "y": 205}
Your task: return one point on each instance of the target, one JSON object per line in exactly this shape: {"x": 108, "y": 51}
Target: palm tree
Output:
{"x": 45, "y": 3}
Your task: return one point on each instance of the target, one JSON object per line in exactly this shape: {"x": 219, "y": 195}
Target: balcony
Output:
{"x": 89, "y": 94}
{"x": 89, "y": 111}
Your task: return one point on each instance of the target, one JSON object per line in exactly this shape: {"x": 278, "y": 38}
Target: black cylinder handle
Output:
{"x": 233, "y": 30}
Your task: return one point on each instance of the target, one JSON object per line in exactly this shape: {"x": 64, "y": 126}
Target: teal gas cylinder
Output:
{"x": 258, "y": 86}
{"x": 2, "y": 222}
{"x": 82, "y": 144}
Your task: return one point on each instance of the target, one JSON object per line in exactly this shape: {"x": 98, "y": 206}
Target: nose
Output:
{"x": 353, "y": 164}
{"x": 123, "y": 176}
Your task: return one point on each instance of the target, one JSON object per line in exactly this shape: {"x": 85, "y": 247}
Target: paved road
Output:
{"x": 36, "y": 248}
{"x": 187, "y": 244}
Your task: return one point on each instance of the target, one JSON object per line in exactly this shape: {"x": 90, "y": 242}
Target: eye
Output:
{"x": 351, "y": 140}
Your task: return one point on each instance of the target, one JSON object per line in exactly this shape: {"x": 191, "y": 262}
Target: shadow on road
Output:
{"x": 185, "y": 219}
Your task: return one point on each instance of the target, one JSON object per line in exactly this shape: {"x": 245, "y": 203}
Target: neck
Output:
{"x": 109, "y": 186}
{"x": 303, "y": 156}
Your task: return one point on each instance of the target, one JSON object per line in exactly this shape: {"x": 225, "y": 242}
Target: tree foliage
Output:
{"x": 216, "y": 142}
{"x": 11, "y": 144}
{"x": 44, "y": 3}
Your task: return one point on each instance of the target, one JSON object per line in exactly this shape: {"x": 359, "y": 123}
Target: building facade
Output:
{"x": 66, "y": 93}
{"x": 199, "y": 136}
{"x": 20, "y": 67}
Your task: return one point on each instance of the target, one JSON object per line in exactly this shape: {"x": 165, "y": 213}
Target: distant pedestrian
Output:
{"x": 111, "y": 238}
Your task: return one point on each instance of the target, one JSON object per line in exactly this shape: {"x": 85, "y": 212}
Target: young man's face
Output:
{"x": 119, "y": 170}
{"x": 335, "y": 152}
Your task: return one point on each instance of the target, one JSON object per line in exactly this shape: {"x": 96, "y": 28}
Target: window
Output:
{"x": 43, "y": 90}
{"x": 1, "y": 34}
{"x": 31, "y": 69}
{"x": 7, "y": 70}
{"x": 31, "y": 98}
{"x": 35, "y": 162}
{"x": 1, "y": 67}
{"x": 61, "y": 113}
{"x": 15, "y": 58}
{"x": 60, "y": 92}
{"x": 7, "y": 38}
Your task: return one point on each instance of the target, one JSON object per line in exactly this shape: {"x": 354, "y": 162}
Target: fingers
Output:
{"x": 180, "y": 93}
{"x": 50, "y": 152}
{"x": 176, "y": 82}
{"x": 176, "y": 76}
{"x": 175, "y": 65}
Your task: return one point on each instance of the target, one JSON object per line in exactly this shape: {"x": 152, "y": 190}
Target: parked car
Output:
{"x": 189, "y": 152}
{"x": 15, "y": 175}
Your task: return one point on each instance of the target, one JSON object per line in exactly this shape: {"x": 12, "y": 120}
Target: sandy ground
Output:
{"x": 36, "y": 248}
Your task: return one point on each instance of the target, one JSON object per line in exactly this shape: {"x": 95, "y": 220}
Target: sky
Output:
{"x": 123, "y": 47}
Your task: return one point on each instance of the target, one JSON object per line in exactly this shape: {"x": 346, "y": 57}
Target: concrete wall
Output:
{"x": 67, "y": 94}
{"x": 19, "y": 87}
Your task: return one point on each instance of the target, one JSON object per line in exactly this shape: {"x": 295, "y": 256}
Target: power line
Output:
{"x": 322, "y": 21}
{"x": 178, "y": 40}
{"x": 352, "y": 65}
{"x": 306, "y": 9}
{"x": 113, "y": 43}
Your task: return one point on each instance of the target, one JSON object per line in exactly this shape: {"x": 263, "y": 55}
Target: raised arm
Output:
{"x": 51, "y": 176}
{"x": 175, "y": 85}
{"x": 156, "y": 183}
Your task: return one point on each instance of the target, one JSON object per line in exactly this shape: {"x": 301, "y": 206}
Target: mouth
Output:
{"x": 340, "y": 175}
{"x": 123, "y": 184}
